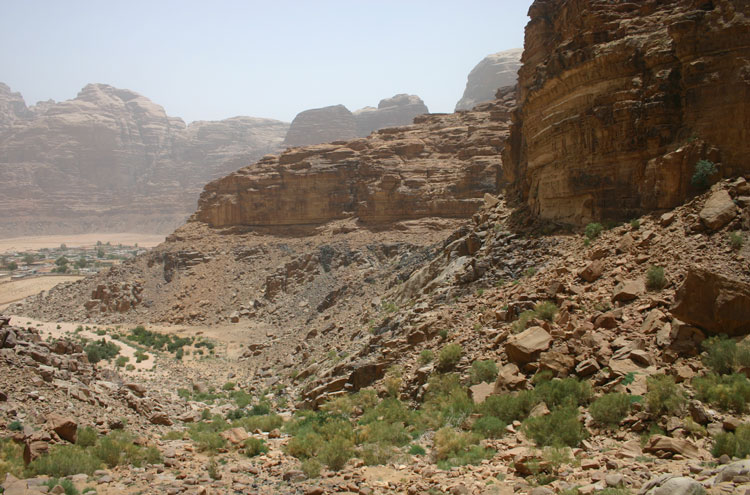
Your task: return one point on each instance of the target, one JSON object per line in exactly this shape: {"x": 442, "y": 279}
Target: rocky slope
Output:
{"x": 494, "y": 71}
{"x": 337, "y": 123}
{"x": 112, "y": 160}
{"x": 618, "y": 103}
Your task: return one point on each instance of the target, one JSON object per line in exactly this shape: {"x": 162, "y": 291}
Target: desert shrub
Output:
{"x": 655, "y": 279}
{"x": 388, "y": 410}
{"x": 335, "y": 452}
{"x": 723, "y": 355}
{"x": 635, "y": 224}
{"x": 545, "y": 310}
{"x": 727, "y": 392}
{"x": 65, "y": 460}
{"x": 121, "y": 361}
{"x": 228, "y": 386}
{"x": 86, "y": 437}
{"x": 449, "y": 357}
{"x": 426, "y": 356}
{"x": 559, "y": 428}
{"x": 664, "y": 395}
{"x": 446, "y": 402}
{"x": 311, "y": 468}
{"x": 735, "y": 444}
{"x": 489, "y": 427}
{"x": 704, "y": 169}
{"x": 509, "y": 407}
{"x": 15, "y": 426}
{"x": 304, "y": 445}
{"x": 140, "y": 356}
{"x": 522, "y": 322}
{"x": 392, "y": 380}
{"x": 11, "y": 458}
{"x": 610, "y": 409}
{"x": 736, "y": 240}
{"x": 374, "y": 454}
{"x": 563, "y": 392}
{"x": 483, "y": 371}
{"x": 417, "y": 450}
{"x": 243, "y": 399}
{"x": 593, "y": 230}
{"x": 255, "y": 446}
{"x": 101, "y": 350}
{"x": 66, "y": 485}
{"x": 118, "y": 448}
{"x": 457, "y": 448}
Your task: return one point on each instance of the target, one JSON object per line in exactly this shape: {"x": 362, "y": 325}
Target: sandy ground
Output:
{"x": 81, "y": 240}
{"x": 16, "y": 290}
{"x": 60, "y": 329}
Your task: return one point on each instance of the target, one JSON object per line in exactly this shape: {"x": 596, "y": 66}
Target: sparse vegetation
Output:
{"x": 255, "y": 446}
{"x": 99, "y": 350}
{"x": 66, "y": 485}
{"x": 449, "y": 357}
{"x": 704, "y": 169}
{"x": 727, "y": 392}
{"x": 735, "y": 444}
{"x": 559, "y": 428}
{"x": 545, "y": 310}
{"x": 635, "y": 224}
{"x": 593, "y": 230}
{"x": 426, "y": 356}
{"x": 483, "y": 371}
{"x": 664, "y": 395}
{"x": 655, "y": 279}
{"x": 736, "y": 240}
{"x": 723, "y": 356}
{"x": 610, "y": 409}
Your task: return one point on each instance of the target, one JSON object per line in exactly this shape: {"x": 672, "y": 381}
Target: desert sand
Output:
{"x": 16, "y": 290}
{"x": 80, "y": 240}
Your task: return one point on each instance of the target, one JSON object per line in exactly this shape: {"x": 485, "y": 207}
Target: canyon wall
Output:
{"x": 493, "y": 72}
{"x": 618, "y": 101}
{"x": 441, "y": 166}
{"x": 112, "y": 160}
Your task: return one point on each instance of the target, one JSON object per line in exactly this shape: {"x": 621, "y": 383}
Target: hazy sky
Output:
{"x": 208, "y": 60}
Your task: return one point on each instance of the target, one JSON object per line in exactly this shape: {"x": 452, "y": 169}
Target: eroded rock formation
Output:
{"x": 494, "y": 71}
{"x": 111, "y": 159}
{"x": 337, "y": 123}
{"x": 618, "y": 102}
{"x": 440, "y": 166}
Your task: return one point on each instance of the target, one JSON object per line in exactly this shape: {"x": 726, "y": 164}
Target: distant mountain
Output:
{"x": 113, "y": 160}
{"x": 494, "y": 71}
{"x": 337, "y": 123}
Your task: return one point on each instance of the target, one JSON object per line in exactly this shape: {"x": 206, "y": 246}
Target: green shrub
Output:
{"x": 86, "y": 437}
{"x": 417, "y": 450}
{"x": 446, "y": 402}
{"x": 489, "y": 427}
{"x": 635, "y": 224}
{"x": 374, "y": 454}
{"x": 101, "y": 350}
{"x": 66, "y": 485}
{"x": 426, "y": 356}
{"x": 311, "y": 468}
{"x": 545, "y": 310}
{"x": 736, "y": 240}
{"x": 593, "y": 230}
{"x": 457, "y": 448}
{"x": 704, "y": 169}
{"x": 655, "y": 279}
{"x": 228, "y": 386}
{"x": 383, "y": 432}
{"x": 255, "y": 446}
{"x": 664, "y": 395}
{"x": 563, "y": 392}
{"x": 727, "y": 392}
{"x": 559, "y": 428}
{"x": 522, "y": 322}
{"x": 266, "y": 423}
{"x": 11, "y": 458}
{"x": 735, "y": 444}
{"x": 509, "y": 407}
{"x": 15, "y": 426}
{"x": 118, "y": 448}
{"x": 610, "y": 409}
{"x": 121, "y": 361}
{"x": 483, "y": 371}
{"x": 304, "y": 445}
{"x": 65, "y": 460}
{"x": 724, "y": 356}
{"x": 336, "y": 452}
{"x": 449, "y": 357}
{"x": 208, "y": 441}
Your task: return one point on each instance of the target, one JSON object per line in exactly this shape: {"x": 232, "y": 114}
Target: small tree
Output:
{"x": 704, "y": 169}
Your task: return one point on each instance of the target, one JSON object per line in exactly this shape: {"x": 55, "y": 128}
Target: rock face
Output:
{"x": 111, "y": 159}
{"x": 494, "y": 71}
{"x": 441, "y": 166}
{"x": 616, "y": 105}
{"x": 337, "y": 123}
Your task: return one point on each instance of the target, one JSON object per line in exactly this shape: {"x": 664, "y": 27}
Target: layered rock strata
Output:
{"x": 493, "y": 72}
{"x": 111, "y": 160}
{"x": 440, "y": 166}
{"x": 617, "y": 103}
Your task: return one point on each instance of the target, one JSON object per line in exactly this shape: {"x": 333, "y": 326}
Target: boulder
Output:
{"x": 160, "y": 418}
{"x": 668, "y": 484}
{"x": 528, "y": 345}
{"x": 235, "y": 435}
{"x": 592, "y": 271}
{"x": 713, "y": 302}
{"x": 719, "y": 210}
{"x": 662, "y": 446}
{"x": 628, "y": 290}
{"x": 65, "y": 426}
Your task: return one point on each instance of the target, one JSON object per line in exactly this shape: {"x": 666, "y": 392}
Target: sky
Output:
{"x": 210, "y": 60}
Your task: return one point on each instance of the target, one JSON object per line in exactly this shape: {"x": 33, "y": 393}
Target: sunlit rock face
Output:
{"x": 113, "y": 160}
{"x": 493, "y": 72}
{"x": 618, "y": 101}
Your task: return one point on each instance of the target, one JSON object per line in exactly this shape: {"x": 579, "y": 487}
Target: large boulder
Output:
{"x": 719, "y": 210}
{"x": 668, "y": 484}
{"x": 528, "y": 345}
{"x": 65, "y": 426}
{"x": 713, "y": 302}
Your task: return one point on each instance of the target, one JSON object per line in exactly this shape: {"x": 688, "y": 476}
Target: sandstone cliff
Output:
{"x": 494, "y": 71}
{"x": 337, "y": 123}
{"x": 111, "y": 159}
{"x": 439, "y": 166}
{"x": 618, "y": 102}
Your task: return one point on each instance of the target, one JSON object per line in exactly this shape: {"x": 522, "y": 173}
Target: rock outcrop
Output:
{"x": 111, "y": 159}
{"x": 439, "y": 167}
{"x": 337, "y": 123}
{"x": 493, "y": 72}
{"x": 618, "y": 103}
